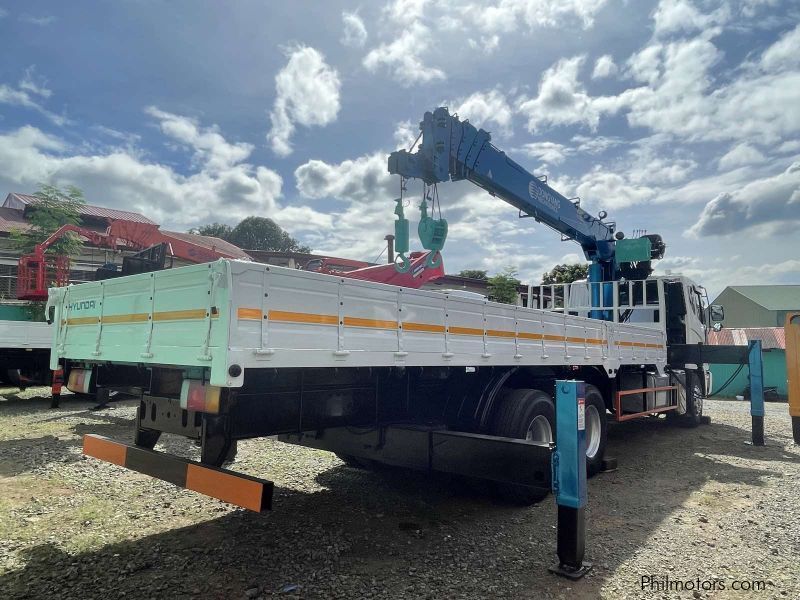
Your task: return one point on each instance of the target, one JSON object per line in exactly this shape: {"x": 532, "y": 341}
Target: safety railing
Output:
{"x": 639, "y": 301}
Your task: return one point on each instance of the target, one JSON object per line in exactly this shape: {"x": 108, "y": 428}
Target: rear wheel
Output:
{"x": 526, "y": 415}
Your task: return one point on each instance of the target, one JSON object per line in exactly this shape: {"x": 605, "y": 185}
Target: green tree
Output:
{"x": 217, "y": 230}
{"x": 565, "y": 274}
{"x": 260, "y": 233}
{"x": 503, "y": 286}
{"x": 254, "y": 233}
{"x": 54, "y": 207}
{"x": 474, "y": 274}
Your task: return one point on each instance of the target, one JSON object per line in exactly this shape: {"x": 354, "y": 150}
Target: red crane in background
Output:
{"x": 415, "y": 277}
{"x": 37, "y": 271}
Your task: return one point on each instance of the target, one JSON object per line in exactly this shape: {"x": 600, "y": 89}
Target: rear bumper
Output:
{"x": 248, "y": 492}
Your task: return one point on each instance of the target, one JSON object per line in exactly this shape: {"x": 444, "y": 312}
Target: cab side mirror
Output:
{"x": 717, "y": 313}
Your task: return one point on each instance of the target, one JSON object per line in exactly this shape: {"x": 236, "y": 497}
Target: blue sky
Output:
{"x": 681, "y": 117}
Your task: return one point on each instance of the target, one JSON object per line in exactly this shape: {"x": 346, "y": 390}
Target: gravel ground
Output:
{"x": 684, "y": 505}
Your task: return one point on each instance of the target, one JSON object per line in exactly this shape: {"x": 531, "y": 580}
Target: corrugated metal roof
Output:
{"x": 207, "y": 241}
{"x": 11, "y": 219}
{"x": 771, "y": 297}
{"x": 15, "y": 199}
{"x": 771, "y": 337}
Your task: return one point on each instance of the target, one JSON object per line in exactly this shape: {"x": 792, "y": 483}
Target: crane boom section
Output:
{"x": 452, "y": 150}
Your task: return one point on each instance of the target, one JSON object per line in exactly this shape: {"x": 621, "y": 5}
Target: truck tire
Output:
{"x": 524, "y": 414}
{"x": 693, "y": 416}
{"x": 596, "y": 430}
{"x": 694, "y": 410}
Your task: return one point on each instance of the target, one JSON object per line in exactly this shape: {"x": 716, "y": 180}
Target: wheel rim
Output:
{"x": 593, "y": 431}
{"x": 540, "y": 430}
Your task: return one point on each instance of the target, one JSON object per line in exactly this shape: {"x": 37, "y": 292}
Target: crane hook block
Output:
{"x": 432, "y": 233}
{"x": 402, "y": 263}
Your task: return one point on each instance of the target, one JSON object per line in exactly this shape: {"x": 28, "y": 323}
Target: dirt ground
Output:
{"x": 697, "y": 510}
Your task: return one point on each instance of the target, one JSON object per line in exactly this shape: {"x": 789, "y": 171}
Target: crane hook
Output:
{"x": 432, "y": 233}
{"x": 402, "y": 263}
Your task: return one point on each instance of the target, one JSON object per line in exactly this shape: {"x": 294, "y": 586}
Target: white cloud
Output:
{"x": 563, "y": 100}
{"x": 402, "y": 57}
{"x": 406, "y": 11}
{"x": 606, "y": 190}
{"x": 482, "y": 108}
{"x": 673, "y": 16}
{"x": 771, "y": 201}
{"x": 674, "y": 100}
{"x": 211, "y": 149}
{"x": 759, "y": 102}
{"x": 354, "y": 31}
{"x": 40, "y": 21}
{"x": 307, "y": 93}
{"x": 789, "y": 146}
{"x": 682, "y": 96}
{"x": 604, "y": 67}
{"x": 739, "y": 155}
{"x": 783, "y": 54}
{"x": 596, "y": 144}
{"x": 363, "y": 215}
{"x": 645, "y": 65}
{"x": 486, "y": 43}
{"x": 482, "y": 26}
{"x": 29, "y": 93}
{"x": 549, "y": 152}
{"x": 405, "y": 133}
{"x": 33, "y": 84}
{"x": 364, "y": 179}
{"x": 221, "y": 187}
{"x": 572, "y": 259}
{"x": 505, "y": 16}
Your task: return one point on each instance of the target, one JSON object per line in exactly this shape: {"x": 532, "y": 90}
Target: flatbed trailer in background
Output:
{"x": 24, "y": 345}
{"x": 234, "y": 350}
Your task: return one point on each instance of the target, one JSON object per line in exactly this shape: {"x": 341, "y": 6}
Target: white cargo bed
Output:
{"x": 230, "y": 313}
{"x": 25, "y": 335}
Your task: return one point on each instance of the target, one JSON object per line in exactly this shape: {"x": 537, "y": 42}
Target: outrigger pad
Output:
{"x": 571, "y": 572}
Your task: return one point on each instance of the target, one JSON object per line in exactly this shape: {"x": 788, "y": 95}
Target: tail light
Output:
{"x": 79, "y": 381}
{"x": 199, "y": 396}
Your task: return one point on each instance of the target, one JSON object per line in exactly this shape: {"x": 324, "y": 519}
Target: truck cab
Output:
{"x": 673, "y": 304}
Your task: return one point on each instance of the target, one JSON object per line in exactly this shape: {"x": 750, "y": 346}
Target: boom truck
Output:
{"x": 389, "y": 374}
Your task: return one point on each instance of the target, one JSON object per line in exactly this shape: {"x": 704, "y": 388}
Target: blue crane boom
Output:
{"x": 452, "y": 149}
